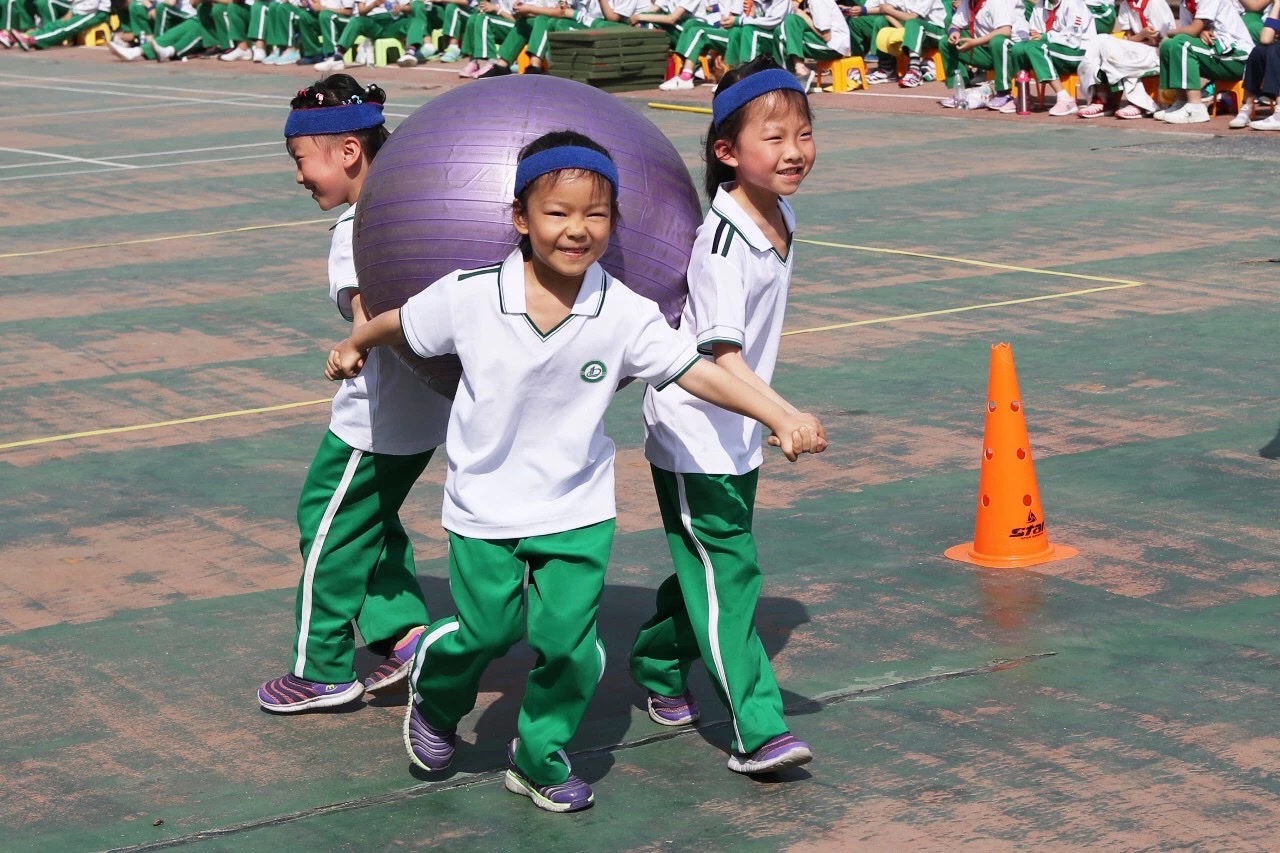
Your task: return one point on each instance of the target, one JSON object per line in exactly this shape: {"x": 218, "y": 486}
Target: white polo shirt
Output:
{"x": 1158, "y": 15}
{"x": 827, "y": 16}
{"x": 385, "y": 409}
{"x": 1231, "y": 37}
{"x": 930, "y": 10}
{"x": 1073, "y": 25}
{"x": 527, "y": 451}
{"x": 992, "y": 15}
{"x": 738, "y": 286}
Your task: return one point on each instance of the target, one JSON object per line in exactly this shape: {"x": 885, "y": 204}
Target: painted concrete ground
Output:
{"x": 163, "y": 302}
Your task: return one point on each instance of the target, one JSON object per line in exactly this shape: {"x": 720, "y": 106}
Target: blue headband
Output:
{"x": 321, "y": 121}
{"x": 747, "y": 89}
{"x": 564, "y": 157}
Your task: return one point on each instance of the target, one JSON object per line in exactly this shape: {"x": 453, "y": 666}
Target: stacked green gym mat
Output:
{"x": 613, "y": 59}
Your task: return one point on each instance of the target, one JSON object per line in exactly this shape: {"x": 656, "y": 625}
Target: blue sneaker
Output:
{"x": 429, "y": 748}
{"x": 571, "y": 795}
{"x": 785, "y": 750}
{"x": 290, "y": 694}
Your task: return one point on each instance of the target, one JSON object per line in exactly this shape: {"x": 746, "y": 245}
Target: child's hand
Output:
{"x": 965, "y": 44}
{"x": 799, "y": 433}
{"x": 345, "y": 361}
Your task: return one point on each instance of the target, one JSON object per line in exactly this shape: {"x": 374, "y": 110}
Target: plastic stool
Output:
{"x": 522, "y": 62}
{"x": 840, "y": 71}
{"x": 1221, "y": 87}
{"x": 382, "y": 51}
{"x": 1070, "y": 84}
{"x": 930, "y": 55}
{"x": 94, "y": 36}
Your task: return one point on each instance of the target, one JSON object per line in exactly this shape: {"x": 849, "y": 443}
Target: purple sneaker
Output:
{"x": 782, "y": 751}
{"x": 290, "y": 694}
{"x": 673, "y": 710}
{"x": 1000, "y": 102}
{"x": 429, "y": 748}
{"x": 571, "y": 795}
{"x": 397, "y": 665}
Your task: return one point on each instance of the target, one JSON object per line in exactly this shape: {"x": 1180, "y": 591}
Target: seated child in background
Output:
{"x": 1211, "y": 42}
{"x": 1262, "y": 75}
{"x": 357, "y": 558}
{"x": 484, "y": 33}
{"x": 865, "y": 20}
{"x": 983, "y": 34}
{"x": 1116, "y": 62}
{"x": 924, "y": 24}
{"x": 529, "y": 22}
{"x": 698, "y": 33}
{"x": 817, "y": 32}
{"x": 751, "y": 35}
{"x": 543, "y": 338}
{"x": 1104, "y": 15}
{"x": 55, "y": 29}
{"x": 1061, "y": 31}
{"x": 453, "y": 18}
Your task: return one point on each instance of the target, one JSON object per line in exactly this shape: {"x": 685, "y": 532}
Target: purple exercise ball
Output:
{"x": 438, "y": 196}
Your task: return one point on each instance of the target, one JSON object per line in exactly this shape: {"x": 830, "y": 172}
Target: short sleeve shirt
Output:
{"x": 527, "y": 451}
{"x": 386, "y": 409}
{"x": 827, "y": 16}
{"x": 992, "y": 15}
{"x": 1157, "y": 12}
{"x": 1231, "y": 36}
{"x": 738, "y": 285}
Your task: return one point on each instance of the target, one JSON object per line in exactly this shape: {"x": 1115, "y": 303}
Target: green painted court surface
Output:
{"x": 160, "y": 268}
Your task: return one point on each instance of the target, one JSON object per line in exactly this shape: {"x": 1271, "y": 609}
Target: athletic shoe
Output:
{"x": 1190, "y": 114}
{"x": 364, "y": 54}
{"x": 429, "y": 748}
{"x": 289, "y": 56}
{"x": 237, "y": 54}
{"x": 6, "y": 40}
{"x": 427, "y": 51}
{"x": 676, "y": 83}
{"x": 1271, "y": 122}
{"x": 1241, "y": 120}
{"x": 779, "y": 752}
{"x": 482, "y": 70}
{"x": 24, "y": 41}
{"x": 1159, "y": 115}
{"x": 571, "y": 795}
{"x": 882, "y": 75}
{"x": 272, "y": 58}
{"x": 397, "y": 665}
{"x": 257, "y": 54}
{"x": 805, "y": 79}
{"x": 999, "y": 102}
{"x": 1064, "y": 106}
{"x": 494, "y": 70}
{"x": 672, "y": 710}
{"x": 472, "y": 67}
{"x": 291, "y": 694}
{"x": 311, "y": 60}
{"x": 333, "y": 63}
{"x": 452, "y": 53}
{"x": 408, "y": 59}
{"x": 911, "y": 80}
{"x": 163, "y": 54}
{"x": 124, "y": 51}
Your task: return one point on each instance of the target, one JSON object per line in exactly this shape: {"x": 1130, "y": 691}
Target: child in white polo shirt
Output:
{"x": 1212, "y": 41}
{"x": 543, "y": 338}
{"x": 357, "y": 558}
{"x": 706, "y": 462}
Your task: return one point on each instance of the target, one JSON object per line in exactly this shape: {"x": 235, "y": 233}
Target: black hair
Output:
{"x": 718, "y": 173}
{"x": 559, "y": 139}
{"x": 339, "y": 90}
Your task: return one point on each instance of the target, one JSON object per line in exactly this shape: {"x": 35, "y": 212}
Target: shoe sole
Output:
{"x": 329, "y": 701}
{"x": 408, "y": 745}
{"x": 790, "y": 758}
{"x": 653, "y": 715}
{"x": 516, "y": 784}
{"x": 398, "y": 675}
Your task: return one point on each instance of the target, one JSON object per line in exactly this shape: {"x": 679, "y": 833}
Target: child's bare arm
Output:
{"x": 796, "y": 433}
{"x": 730, "y": 358}
{"x": 347, "y": 358}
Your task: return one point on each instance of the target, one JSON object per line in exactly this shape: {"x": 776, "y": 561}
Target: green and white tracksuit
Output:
{"x": 800, "y": 39}
{"x": 84, "y": 14}
{"x": 1104, "y": 15}
{"x": 1185, "y": 59}
{"x": 757, "y": 33}
{"x": 529, "y": 496}
{"x": 700, "y": 32}
{"x": 375, "y": 24}
{"x": 319, "y": 31}
{"x": 980, "y": 18}
{"x": 485, "y": 31}
{"x": 357, "y": 558}
{"x": 705, "y": 464}
{"x": 1068, "y": 30}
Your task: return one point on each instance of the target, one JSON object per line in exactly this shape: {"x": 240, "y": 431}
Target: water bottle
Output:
{"x": 1024, "y": 92}
{"x": 957, "y": 91}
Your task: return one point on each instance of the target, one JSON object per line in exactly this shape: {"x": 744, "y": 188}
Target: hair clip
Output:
{"x": 354, "y": 99}
{"x": 320, "y": 98}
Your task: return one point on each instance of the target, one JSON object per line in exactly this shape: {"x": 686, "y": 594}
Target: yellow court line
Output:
{"x": 138, "y": 427}
{"x": 973, "y": 263}
{"x": 680, "y": 108}
{"x": 163, "y": 239}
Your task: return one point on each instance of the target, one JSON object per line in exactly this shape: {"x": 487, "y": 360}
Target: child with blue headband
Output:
{"x": 385, "y": 424}
{"x": 705, "y": 462}
{"x": 543, "y": 337}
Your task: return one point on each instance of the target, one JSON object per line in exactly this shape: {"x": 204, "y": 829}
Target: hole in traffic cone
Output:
{"x": 1010, "y": 531}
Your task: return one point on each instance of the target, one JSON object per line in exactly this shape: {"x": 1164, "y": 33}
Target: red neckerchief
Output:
{"x": 1140, "y": 9}
{"x": 1053, "y": 15}
{"x": 1191, "y": 7}
{"x": 973, "y": 15}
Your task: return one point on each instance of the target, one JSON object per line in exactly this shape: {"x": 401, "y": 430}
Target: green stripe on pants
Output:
{"x": 487, "y": 576}
{"x": 357, "y": 559}
{"x": 707, "y": 608}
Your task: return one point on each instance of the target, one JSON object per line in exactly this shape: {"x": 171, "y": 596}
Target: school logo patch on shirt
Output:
{"x": 593, "y": 371}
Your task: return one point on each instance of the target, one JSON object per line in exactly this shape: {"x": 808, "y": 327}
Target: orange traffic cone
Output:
{"x": 1010, "y": 531}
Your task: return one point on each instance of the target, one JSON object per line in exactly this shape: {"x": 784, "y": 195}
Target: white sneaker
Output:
{"x": 1064, "y": 106}
{"x": 1159, "y": 115}
{"x": 124, "y": 51}
{"x": 364, "y": 53}
{"x": 428, "y": 49}
{"x": 408, "y": 59}
{"x": 237, "y": 54}
{"x": 1241, "y": 120}
{"x": 1189, "y": 114}
{"x": 1271, "y": 122}
{"x": 163, "y": 54}
{"x": 676, "y": 83}
{"x": 333, "y": 64}
{"x": 258, "y": 55}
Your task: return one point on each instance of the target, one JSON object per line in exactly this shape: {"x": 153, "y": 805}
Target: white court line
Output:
{"x": 35, "y": 117}
{"x": 280, "y": 154}
{"x": 66, "y": 157}
{"x": 278, "y": 143}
